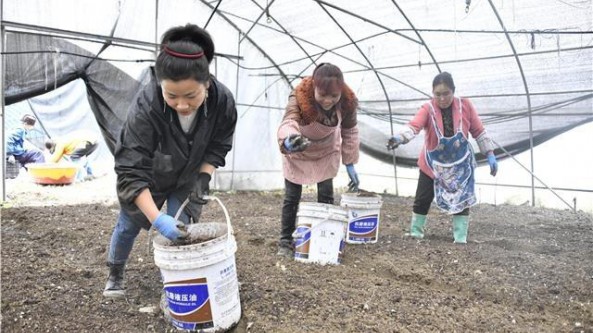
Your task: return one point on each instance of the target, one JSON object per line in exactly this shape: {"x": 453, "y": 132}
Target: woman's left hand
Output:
{"x": 493, "y": 164}
{"x": 201, "y": 189}
{"x": 354, "y": 182}
{"x": 395, "y": 141}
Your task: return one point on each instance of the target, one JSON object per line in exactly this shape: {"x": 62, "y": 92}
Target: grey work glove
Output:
{"x": 201, "y": 189}
{"x": 395, "y": 141}
{"x": 295, "y": 143}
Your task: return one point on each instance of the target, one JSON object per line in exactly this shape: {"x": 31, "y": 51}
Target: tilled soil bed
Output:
{"x": 524, "y": 269}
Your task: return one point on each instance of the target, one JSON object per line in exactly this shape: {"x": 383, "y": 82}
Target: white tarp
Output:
{"x": 389, "y": 51}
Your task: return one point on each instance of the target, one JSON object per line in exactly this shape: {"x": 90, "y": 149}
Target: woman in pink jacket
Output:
{"x": 447, "y": 160}
{"x": 318, "y": 130}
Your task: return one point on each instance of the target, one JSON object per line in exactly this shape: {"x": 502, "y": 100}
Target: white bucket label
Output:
{"x": 189, "y": 304}
{"x": 320, "y": 233}
{"x": 363, "y": 228}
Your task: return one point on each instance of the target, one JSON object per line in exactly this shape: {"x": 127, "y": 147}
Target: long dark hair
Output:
{"x": 186, "y": 53}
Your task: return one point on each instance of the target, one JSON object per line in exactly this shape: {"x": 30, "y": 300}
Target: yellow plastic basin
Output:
{"x": 52, "y": 174}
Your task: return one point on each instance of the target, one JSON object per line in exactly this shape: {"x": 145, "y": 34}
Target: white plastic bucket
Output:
{"x": 364, "y": 212}
{"x": 200, "y": 280}
{"x": 320, "y": 232}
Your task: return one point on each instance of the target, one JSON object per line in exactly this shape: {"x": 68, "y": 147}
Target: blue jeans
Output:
{"x": 125, "y": 232}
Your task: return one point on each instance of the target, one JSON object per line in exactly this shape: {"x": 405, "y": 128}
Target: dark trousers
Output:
{"x": 425, "y": 195}
{"x": 88, "y": 149}
{"x": 292, "y": 196}
{"x": 30, "y": 156}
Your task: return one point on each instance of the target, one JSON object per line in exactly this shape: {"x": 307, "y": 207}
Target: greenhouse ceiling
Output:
{"x": 527, "y": 65}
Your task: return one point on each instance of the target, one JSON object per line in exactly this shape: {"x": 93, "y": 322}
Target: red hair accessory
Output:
{"x": 183, "y": 55}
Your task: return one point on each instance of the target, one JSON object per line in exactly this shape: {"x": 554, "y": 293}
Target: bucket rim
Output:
{"x": 368, "y": 206}
{"x": 321, "y": 207}
{"x": 365, "y": 199}
{"x": 185, "y": 247}
{"x": 324, "y": 217}
{"x": 229, "y": 234}
{"x": 202, "y": 260}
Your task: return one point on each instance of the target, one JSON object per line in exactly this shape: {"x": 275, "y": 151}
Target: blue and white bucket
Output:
{"x": 364, "y": 210}
{"x": 200, "y": 280}
{"x": 320, "y": 232}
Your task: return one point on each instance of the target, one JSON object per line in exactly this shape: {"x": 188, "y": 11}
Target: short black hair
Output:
{"x": 446, "y": 78}
{"x": 29, "y": 120}
{"x": 185, "y": 40}
{"x": 50, "y": 144}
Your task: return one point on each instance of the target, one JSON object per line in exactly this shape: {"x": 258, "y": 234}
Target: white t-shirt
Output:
{"x": 187, "y": 121}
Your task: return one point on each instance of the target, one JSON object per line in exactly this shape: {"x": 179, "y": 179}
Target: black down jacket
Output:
{"x": 153, "y": 152}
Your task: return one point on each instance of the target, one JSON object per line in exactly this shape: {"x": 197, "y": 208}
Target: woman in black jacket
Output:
{"x": 176, "y": 134}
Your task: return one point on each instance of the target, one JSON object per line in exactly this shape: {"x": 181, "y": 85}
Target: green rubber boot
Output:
{"x": 460, "y": 225}
{"x": 417, "y": 225}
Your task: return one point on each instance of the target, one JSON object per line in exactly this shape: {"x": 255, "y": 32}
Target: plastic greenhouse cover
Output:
{"x": 526, "y": 65}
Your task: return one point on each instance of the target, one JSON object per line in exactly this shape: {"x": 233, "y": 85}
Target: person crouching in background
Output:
{"x": 15, "y": 144}
{"x": 76, "y": 148}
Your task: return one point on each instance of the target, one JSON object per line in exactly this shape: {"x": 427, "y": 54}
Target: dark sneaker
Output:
{"x": 114, "y": 292}
{"x": 114, "y": 288}
{"x": 285, "y": 251}
{"x": 88, "y": 178}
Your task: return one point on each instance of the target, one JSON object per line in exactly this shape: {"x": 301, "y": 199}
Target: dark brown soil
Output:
{"x": 525, "y": 270}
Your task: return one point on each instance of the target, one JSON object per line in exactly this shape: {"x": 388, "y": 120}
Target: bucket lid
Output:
{"x": 199, "y": 233}
{"x": 321, "y": 210}
{"x": 360, "y": 198}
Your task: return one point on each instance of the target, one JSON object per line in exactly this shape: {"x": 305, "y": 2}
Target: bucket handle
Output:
{"x": 225, "y": 211}
{"x": 229, "y": 227}
{"x": 206, "y": 197}
{"x": 299, "y": 235}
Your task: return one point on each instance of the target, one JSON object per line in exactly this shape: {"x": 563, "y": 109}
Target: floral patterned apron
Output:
{"x": 453, "y": 163}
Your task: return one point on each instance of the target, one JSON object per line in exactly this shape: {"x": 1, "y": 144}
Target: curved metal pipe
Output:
{"x": 419, "y": 36}
{"x": 254, "y": 23}
{"x": 284, "y": 76}
{"x": 378, "y": 78}
{"x": 284, "y": 31}
{"x": 526, "y": 94}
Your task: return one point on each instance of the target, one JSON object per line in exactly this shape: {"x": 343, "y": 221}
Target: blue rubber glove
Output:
{"x": 354, "y": 182}
{"x": 169, "y": 227}
{"x": 395, "y": 141}
{"x": 295, "y": 143}
{"x": 493, "y": 164}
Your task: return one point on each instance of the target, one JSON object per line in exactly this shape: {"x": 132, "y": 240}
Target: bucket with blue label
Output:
{"x": 364, "y": 211}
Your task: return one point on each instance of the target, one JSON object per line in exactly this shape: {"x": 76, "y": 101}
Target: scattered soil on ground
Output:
{"x": 524, "y": 269}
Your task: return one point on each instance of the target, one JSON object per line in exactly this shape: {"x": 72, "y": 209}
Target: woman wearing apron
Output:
{"x": 447, "y": 161}
{"x": 318, "y": 130}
